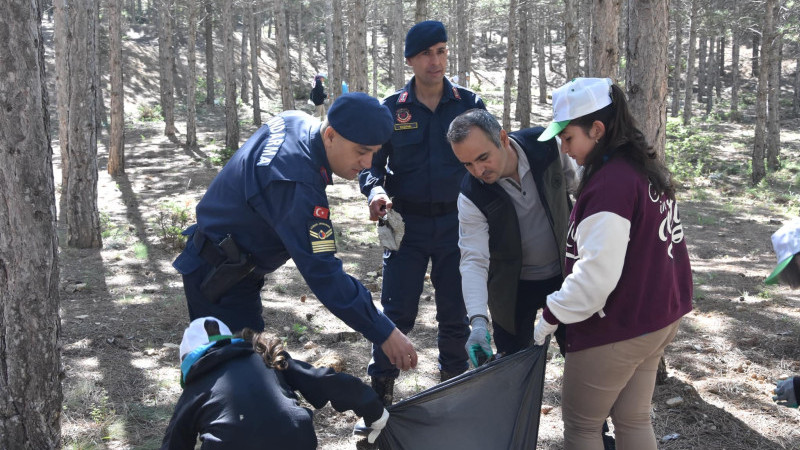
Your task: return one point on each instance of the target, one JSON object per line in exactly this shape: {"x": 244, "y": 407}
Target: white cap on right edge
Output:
{"x": 579, "y": 97}
{"x": 196, "y": 335}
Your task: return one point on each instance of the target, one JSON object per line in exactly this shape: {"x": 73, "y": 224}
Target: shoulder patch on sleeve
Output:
{"x": 320, "y": 235}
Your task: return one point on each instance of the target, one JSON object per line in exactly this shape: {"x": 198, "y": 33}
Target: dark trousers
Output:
{"x": 426, "y": 239}
{"x": 240, "y": 307}
{"x": 531, "y": 297}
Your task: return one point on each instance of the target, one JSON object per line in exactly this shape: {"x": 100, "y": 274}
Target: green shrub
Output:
{"x": 172, "y": 219}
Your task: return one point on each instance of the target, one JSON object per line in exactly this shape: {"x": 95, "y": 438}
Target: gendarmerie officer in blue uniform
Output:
{"x": 417, "y": 174}
{"x": 268, "y": 204}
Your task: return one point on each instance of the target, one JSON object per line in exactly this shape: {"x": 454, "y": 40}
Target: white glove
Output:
{"x": 542, "y": 329}
{"x": 373, "y": 430}
{"x": 391, "y": 229}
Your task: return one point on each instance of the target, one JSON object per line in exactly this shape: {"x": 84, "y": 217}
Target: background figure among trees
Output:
{"x": 318, "y": 96}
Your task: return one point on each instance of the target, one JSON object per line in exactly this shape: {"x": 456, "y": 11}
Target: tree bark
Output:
{"x": 462, "y": 13}
{"x": 357, "y": 46}
{"x": 374, "y": 35}
{"x": 646, "y": 69}
{"x": 523, "y": 111}
{"x": 231, "y": 111}
{"x": 773, "y": 100}
{"x": 255, "y": 44}
{"x": 540, "y": 62}
{"x": 756, "y": 45}
{"x": 511, "y": 54}
{"x": 243, "y": 58}
{"x": 30, "y": 360}
{"x": 677, "y": 61}
{"x": 605, "y": 49}
{"x": 100, "y": 106}
{"x": 191, "y": 85}
{"x": 60, "y": 39}
{"x": 78, "y": 32}
{"x": 735, "y": 44}
{"x": 701, "y": 67}
{"x": 760, "y": 141}
{"x": 398, "y": 62}
{"x": 208, "y": 21}
{"x": 796, "y": 98}
{"x": 571, "y": 38}
{"x": 421, "y": 11}
{"x": 166, "y": 59}
{"x": 116, "y": 148}
{"x": 687, "y": 102}
{"x": 711, "y": 74}
{"x": 337, "y": 66}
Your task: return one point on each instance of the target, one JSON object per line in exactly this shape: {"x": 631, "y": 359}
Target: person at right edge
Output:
{"x": 628, "y": 277}
{"x": 417, "y": 175}
{"x": 786, "y": 243}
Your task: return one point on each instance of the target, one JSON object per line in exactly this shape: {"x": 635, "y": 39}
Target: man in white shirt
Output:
{"x": 513, "y": 211}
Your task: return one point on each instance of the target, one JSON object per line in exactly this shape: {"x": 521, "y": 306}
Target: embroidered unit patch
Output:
{"x": 403, "y": 115}
{"x": 320, "y": 234}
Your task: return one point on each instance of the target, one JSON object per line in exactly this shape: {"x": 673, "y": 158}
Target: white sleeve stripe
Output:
{"x": 602, "y": 241}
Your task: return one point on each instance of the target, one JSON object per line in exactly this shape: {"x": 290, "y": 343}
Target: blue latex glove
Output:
{"x": 479, "y": 343}
{"x": 785, "y": 394}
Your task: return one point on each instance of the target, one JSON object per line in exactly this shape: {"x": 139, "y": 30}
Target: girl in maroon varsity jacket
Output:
{"x": 628, "y": 277}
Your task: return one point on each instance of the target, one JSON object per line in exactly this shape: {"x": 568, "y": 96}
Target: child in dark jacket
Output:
{"x": 240, "y": 393}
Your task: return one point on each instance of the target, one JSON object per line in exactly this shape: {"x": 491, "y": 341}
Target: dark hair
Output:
{"x": 791, "y": 273}
{"x": 462, "y": 125}
{"x": 270, "y": 348}
{"x": 623, "y": 139}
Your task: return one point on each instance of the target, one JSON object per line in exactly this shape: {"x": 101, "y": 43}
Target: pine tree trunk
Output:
{"x": 572, "y": 40}
{"x": 208, "y": 21}
{"x": 796, "y": 98}
{"x": 60, "y": 39}
{"x": 243, "y": 58}
{"x": 462, "y": 19}
{"x": 760, "y": 141}
{"x": 701, "y": 68}
{"x": 398, "y": 62}
{"x": 735, "y": 44}
{"x": 374, "y": 35}
{"x": 646, "y": 69}
{"x": 711, "y": 73}
{"x": 231, "y": 112}
{"x": 511, "y": 54}
{"x": 357, "y": 46}
{"x": 116, "y": 148}
{"x": 755, "y": 59}
{"x": 282, "y": 54}
{"x": 255, "y": 44}
{"x": 540, "y": 64}
{"x": 605, "y": 49}
{"x": 100, "y": 106}
{"x": 421, "y": 11}
{"x": 337, "y": 30}
{"x": 689, "y": 83}
{"x": 30, "y": 360}
{"x": 523, "y": 111}
{"x": 166, "y": 61}
{"x": 191, "y": 85}
{"x": 677, "y": 62}
{"x": 773, "y": 100}
{"x": 82, "y": 217}
{"x": 585, "y": 24}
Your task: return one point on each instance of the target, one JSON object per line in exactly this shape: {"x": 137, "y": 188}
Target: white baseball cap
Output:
{"x": 786, "y": 242}
{"x": 196, "y": 335}
{"x": 579, "y": 97}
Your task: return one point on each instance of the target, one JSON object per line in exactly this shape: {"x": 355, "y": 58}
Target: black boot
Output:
{"x": 445, "y": 375}
{"x": 384, "y": 387}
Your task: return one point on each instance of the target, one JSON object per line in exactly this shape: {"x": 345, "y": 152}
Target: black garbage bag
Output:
{"x": 495, "y": 406}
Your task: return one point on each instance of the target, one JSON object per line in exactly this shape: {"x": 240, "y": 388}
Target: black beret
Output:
{"x": 423, "y": 35}
{"x": 361, "y": 119}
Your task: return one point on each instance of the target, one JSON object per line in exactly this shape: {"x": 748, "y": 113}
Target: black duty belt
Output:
{"x": 432, "y": 209}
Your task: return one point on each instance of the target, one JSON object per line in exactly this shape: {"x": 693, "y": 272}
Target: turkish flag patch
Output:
{"x": 321, "y": 212}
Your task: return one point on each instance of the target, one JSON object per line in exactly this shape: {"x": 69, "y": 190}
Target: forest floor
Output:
{"x": 123, "y": 310}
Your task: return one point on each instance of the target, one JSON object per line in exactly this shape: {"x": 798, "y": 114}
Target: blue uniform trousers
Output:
{"x": 434, "y": 239}
{"x": 238, "y": 308}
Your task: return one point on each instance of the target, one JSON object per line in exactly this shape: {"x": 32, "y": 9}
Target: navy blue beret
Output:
{"x": 361, "y": 119}
{"x": 423, "y": 35}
